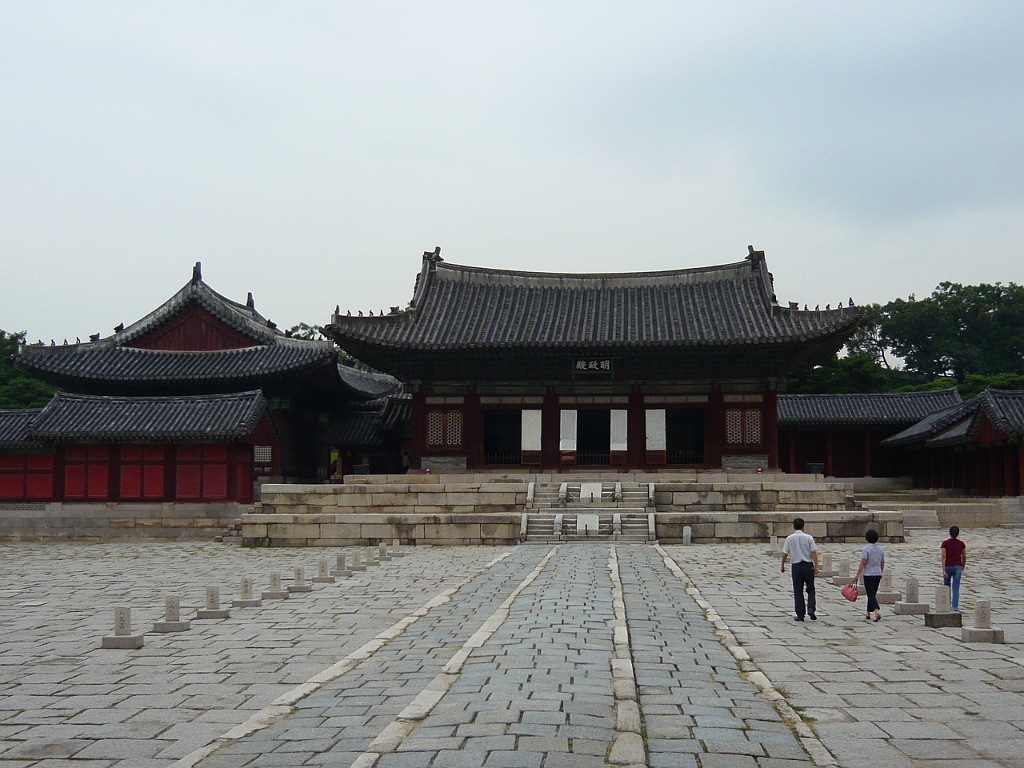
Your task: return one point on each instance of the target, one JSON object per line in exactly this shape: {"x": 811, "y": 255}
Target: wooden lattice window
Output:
{"x": 743, "y": 426}
{"x": 444, "y": 429}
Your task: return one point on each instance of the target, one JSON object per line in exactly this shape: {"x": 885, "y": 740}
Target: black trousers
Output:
{"x": 803, "y": 577}
{"x": 871, "y": 587}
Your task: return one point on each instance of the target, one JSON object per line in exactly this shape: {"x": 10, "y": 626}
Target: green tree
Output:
{"x": 957, "y": 331}
{"x": 306, "y": 331}
{"x": 19, "y": 389}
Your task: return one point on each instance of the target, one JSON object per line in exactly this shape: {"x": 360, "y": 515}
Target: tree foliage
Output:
{"x": 306, "y": 331}
{"x": 19, "y": 389}
{"x": 969, "y": 336}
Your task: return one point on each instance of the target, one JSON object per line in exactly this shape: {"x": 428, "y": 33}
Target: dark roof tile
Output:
{"x": 461, "y": 307}
{"x": 14, "y": 428}
{"x": 69, "y": 417}
{"x": 888, "y": 408}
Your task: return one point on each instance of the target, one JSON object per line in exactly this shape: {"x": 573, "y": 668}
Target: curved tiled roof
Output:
{"x": 879, "y": 408}
{"x": 1004, "y": 409}
{"x": 197, "y": 417}
{"x": 104, "y": 362}
{"x": 459, "y": 307}
{"x": 14, "y": 427}
{"x": 369, "y": 384}
{"x": 241, "y": 317}
{"x": 272, "y": 355}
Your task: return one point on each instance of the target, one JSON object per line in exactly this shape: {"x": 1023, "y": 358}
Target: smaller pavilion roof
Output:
{"x": 1004, "y": 410}
{"x": 14, "y": 428}
{"x": 122, "y": 362}
{"x": 70, "y": 417}
{"x": 864, "y": 409}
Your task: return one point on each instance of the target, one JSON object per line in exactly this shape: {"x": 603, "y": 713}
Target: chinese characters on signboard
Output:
{"x": 592, "y": 366}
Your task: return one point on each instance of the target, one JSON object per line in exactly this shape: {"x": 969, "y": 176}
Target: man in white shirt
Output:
{"x": 801, "y": 547}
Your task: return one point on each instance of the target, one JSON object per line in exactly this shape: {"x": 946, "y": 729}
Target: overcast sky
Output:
{"x": 311, "y": 152}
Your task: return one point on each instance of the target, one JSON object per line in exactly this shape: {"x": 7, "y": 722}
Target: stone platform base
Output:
{"x": 827, "y": 526}
{"x": 105, "y": 521}
{"x": 346, "y": 530}
{"x": 981, "y": 635}
{"x": 944, "y": 619}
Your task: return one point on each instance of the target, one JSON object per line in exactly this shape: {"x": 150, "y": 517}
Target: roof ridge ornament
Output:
{"x": 250, "y": 302}
{"x": 197, "y": 272}
{"x": 433, "y": 256}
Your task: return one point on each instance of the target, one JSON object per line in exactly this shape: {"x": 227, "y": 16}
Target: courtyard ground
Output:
{"x": 574, "y": 655}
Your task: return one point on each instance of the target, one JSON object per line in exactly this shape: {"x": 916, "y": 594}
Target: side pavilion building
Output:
{"x": 203, "y": 399}
{"x": 643, "y": 370}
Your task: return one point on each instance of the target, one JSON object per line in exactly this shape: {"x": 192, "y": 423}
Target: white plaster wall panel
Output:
{"x": 567, "y": 431}
{"x": 656, "y": 429}
{"x": 531, "y": 430}
{"x": 619, "y": 430}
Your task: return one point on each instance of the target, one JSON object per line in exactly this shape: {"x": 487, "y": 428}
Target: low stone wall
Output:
{"x": 368, "y": 529}
{"x": 395, "y": 498}
{"x": 753, "y": 496}
{"x": 98, "y": 521}
{"x": 710, "y": 528}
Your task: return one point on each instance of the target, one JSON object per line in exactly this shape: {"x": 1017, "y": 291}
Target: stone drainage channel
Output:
{"x": 575, "y": 655}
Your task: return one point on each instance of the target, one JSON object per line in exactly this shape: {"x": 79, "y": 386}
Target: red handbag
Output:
{"x": 850, "y": 591}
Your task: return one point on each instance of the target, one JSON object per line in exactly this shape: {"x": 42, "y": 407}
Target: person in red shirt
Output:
{"x": 954, "y": 560}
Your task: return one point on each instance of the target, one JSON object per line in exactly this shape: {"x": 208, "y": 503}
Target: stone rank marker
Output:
{"x": 382, "y": 553}
{"x": 774, "y": 550}
{"x": 371, "y": 561}
{"x": 300, "y": 584}
{"x": 825, "y": 569}
{"x": 886, "y": 594}
{"x": 396, "y": 548}
{"x": 844, "y": 576}
{"x": 356, "y": 564}
{"x": 213, "y": 609}
{"x": 339, "y": 568}
{"x": 982, "y": 631}
{"x": 943, "y": 615}
{"x": 172, "y": 617}
{"x": 245, "y": 598}
{"x": 323, "y": 573}
{"x": 276, "y": 591}
{"x": 911, "y": 606}
{"x": 122, "y": 639}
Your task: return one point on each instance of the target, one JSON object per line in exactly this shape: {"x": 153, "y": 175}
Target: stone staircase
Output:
{"x": 588, "y": 510}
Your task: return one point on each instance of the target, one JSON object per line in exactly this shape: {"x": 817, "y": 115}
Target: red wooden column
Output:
{"x": 636, "y": 429}
{"x": 715, "y": 426}
{"x": 1020, "y": 468}
{"x": 828, "y": 454}
{"x": 473, "y": 429}
{"x": 419, "y": 435}
{"x": 993, "y": 468}
{"x": 867, "y": 454}
{"x": 549, "y": 430}
{"x": 792, "y": 452}
{"x": 1008, "y": 470}
{"x": 771, "y": 424}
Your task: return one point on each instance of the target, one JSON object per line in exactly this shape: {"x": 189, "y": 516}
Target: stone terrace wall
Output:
{"x": 367, "y": 529}
{"x": 418, "y": 509}
{"x": 753, "y": 496}
{"x": 713, "y": 527}
{"x": 99, "y": 521}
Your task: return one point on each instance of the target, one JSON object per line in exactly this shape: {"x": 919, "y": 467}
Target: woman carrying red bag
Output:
{"x": 872, "y": 563}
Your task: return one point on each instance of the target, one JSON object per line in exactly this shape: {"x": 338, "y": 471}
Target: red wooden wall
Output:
{"x": 194, "y": 329}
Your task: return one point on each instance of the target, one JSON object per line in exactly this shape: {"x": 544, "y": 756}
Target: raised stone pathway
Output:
{"x": 569, "y": 655}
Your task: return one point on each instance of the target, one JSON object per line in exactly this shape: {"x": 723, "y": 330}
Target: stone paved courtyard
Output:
{"x": 574, "y": 655}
